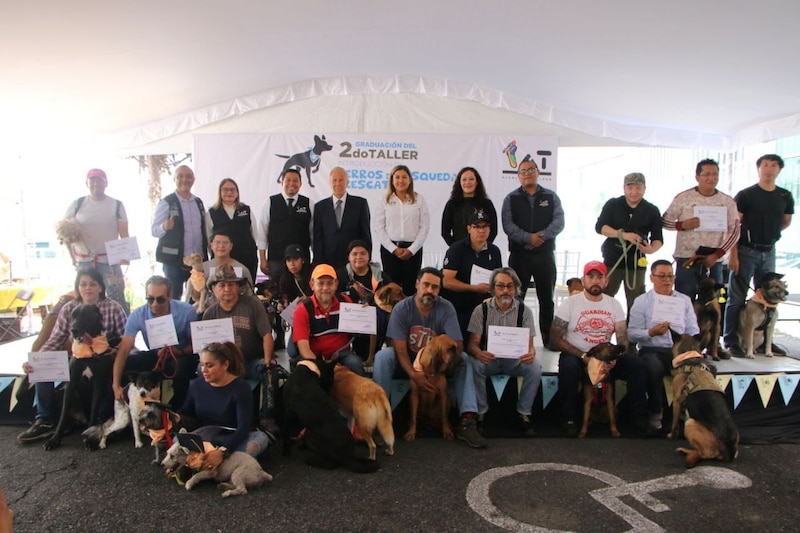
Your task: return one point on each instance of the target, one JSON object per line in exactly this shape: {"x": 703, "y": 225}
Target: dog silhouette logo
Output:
{"x": 308, "y": 160}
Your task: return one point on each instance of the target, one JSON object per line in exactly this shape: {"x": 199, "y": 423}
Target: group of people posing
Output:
{"x": 477, "y": 290}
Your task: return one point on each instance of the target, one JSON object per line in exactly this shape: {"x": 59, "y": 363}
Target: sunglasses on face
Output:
{"x": 159, "y": 299}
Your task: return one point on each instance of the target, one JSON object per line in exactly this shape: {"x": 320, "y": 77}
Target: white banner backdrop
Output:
{"x": 256, "y": 161}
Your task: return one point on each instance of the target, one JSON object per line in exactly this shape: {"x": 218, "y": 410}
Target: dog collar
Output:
{"x": 676, "y": 362}
{"x": 311, "y": 365}
{"x": 83, "y": 348}
{"x": 758, "y": 298}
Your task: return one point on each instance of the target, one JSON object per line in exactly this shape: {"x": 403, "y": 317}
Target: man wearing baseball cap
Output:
{"x": 581, "y": 322}
{"x": 463, "y": 259}
{"x": 316, "y": 322}
{"x": 102, "y": 219}
{"x": 632, "y": 227}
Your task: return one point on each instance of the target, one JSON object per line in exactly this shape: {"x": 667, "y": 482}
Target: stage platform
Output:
{"x": 762, "y": 392}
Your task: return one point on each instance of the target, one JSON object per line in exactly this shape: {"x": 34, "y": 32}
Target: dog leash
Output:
{"x": 165, "y": 354}
{"x": 630, "y": 281}
{"x": 167, "y": 429}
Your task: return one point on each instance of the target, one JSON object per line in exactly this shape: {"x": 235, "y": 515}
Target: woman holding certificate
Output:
{"x": 401, "y": 222}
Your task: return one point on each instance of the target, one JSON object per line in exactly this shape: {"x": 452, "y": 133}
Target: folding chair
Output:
{"x": 11, "y": 317}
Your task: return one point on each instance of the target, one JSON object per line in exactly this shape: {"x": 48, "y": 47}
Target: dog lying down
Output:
{"x": 157, "y": 419}
{"x": 235, "y": 474}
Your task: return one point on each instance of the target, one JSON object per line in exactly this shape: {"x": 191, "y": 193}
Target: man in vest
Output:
{"x": 179, "y": 225}
{"x": 316, "y": 322}
{"x": 532, "y": 217}
{"x": 286, "y": 219}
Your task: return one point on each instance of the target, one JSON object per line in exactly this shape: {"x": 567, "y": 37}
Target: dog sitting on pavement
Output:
{"x": 760, "y": 314}
{"x": 237, "y": 472}
{"x": 365, "y": 404}
{"x": 709, "y": 317}
{"x": 311, "y": 412}
{"x": 143, "y": 386}
{"x": 92, "y": 360}
{"x": 439, "y": 359}
{"x": 596, "y": 372}
{"x": 709, "y": 428}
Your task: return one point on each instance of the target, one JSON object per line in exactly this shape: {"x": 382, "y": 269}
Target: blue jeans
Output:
{"x": 177, "y": 276}
{"x": 113, "y": 280}
{"x": 531, "y": 379}
{"x": 386, "y": 368}
{"x": 687, "y": 279}
{"x": 255, "y": 443}
{"x": 752, "y": 265}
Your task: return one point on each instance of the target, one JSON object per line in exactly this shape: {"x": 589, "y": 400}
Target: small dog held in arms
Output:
{"x": 235, "y": 474}
{"x": 311, "y": 412}
{"x": 709, "y": 428}
{"x": 595, "y": 375}
{"x": 709, "y": 316}
{"x": 196, "y": 262}
{"x": 385, "y": 299}
{"x": 758, "y": 318}
{"x": 70, "y": 233}
{"x": 143, "y": 386}
{"x": 439, "y": 359}
{"x": 365, "y": 404}
{"x": 92, "y": 360}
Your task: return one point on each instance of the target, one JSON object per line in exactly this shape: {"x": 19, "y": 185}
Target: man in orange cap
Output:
{"x": 316, "y": 322}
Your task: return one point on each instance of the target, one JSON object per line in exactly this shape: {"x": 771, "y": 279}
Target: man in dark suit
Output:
{"x": 338, "y": 220}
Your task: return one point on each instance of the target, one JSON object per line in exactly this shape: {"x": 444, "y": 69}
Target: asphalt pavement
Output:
{"x": 592, "y": 484}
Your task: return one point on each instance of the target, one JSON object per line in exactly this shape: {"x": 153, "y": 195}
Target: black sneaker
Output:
{"x": 468, "y": 432}
{"x": 526, "y": 425}
{"x": 39, "y": 430}
{"x": 736, "y": 350}
{"x": 570, "y": 428}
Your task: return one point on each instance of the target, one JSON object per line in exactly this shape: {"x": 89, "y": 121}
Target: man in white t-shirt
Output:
{"x": 581, "y": 322}
{"x": 103, "y": 219}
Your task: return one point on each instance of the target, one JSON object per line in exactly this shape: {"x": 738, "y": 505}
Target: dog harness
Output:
{"x": 767, "y": 308}
{"x": 699, "y": 377}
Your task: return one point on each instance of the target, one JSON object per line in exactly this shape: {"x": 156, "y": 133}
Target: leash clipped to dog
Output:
{"x": 164, "y": 354}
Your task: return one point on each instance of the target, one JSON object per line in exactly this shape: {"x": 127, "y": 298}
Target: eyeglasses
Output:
{"x": 667, "y": 277}
{"x": 159, "y": 299}
{"x": 707, "y": 174}
{"x": 221, "y": 243}
{"x": 86, "y": 285}
{"x": 527, "y": 171}
{"x": 228, "y": 189}
{"x": 504, "y": 286}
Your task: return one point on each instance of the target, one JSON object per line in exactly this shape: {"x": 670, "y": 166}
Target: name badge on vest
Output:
{"x": 174, "y": 213}
{"x": 302, "y": 209}
{"x": 544, "y": 203}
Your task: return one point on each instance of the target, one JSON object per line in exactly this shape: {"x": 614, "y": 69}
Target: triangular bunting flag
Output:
{"x": 17, "y": 384}
{"x": 549, "y": 388}
{"x": 668, "y": 389}
{"x": 765, "y": 384}
{"x": 6, "y": 381}
{"x": 398, "y": 392}
{"x": 788, "y": 383}
{"x": 723, "y": 380}
{"x": 620, "y": 390}
{"x": 740, "y": 385}
{"x": 499, "y": 382}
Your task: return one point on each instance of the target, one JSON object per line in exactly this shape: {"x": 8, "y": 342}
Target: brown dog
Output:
{"x": 574, "y": 286}
{"x": 604, "y": 353}
{"x": 709, "y": 428}
{"x": 709, "y": 316}
{"x": 759, "y": 316}
{"x": 385, "y": 299}
{"x": 364, "y": 403}
{"x": 439, "y": 359}
{"x": 199, "y": 295}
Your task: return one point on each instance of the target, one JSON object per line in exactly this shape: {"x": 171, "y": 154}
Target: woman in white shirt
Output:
{"x": 401, "y": 223}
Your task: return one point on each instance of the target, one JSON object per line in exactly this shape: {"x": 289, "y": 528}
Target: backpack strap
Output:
{"x": 78, "y": 204}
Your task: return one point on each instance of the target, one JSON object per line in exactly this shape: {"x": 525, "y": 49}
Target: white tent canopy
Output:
{"x": 143, "y": 76}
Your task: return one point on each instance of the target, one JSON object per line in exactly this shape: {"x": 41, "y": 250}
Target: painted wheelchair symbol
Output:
{"x": 709, "y": 476}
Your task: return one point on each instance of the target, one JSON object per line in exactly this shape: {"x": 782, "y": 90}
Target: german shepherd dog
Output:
{"x": 87, "y": 330}
{"x": 306, "y": 160}
{"x": 605, "y": 353}
{"x": 364, "y": 403}
{"x": 310, "y": 410}
{"x": 758, "y": 318}
{"x": 439, "y": 359}
{"x": 709, "y": 428}
{"x": 143, "y": 386}
{"x": 709, "y": 317}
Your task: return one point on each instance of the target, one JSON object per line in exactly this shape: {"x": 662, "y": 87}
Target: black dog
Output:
{"x": 162, "y": 424}
{"x": 709, "y": 317}
{"x": 309, "y": 405}
{"x": 87, "y": 328}
{"x": 307, "y": 160}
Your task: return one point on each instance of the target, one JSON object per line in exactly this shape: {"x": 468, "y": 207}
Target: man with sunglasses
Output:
{"x": 532, "y": 217}
{"x": 159, "y": 303}
{"x": 653, "y": 314}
